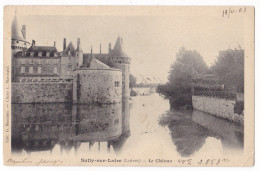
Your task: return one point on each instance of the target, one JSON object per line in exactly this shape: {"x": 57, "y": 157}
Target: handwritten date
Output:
{"x": 230, "y": 11}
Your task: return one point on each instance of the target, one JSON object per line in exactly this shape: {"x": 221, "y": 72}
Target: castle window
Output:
{"x": 39, "y": 70}
{"x": 30, "y": 70}
{"x": 22, "y": 70}
{"x": 48, "y": 54}
{"x": 55, "y": 70}
{"x": 116, "y": 83}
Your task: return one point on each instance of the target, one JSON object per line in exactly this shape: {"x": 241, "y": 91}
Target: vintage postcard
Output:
{"x": 128, "y": 86}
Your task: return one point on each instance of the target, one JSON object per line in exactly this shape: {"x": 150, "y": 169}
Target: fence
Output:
{"x": 216, "y": 94}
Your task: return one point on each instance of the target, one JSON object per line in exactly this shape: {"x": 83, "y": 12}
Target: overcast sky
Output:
{"x": 151, "y": 42}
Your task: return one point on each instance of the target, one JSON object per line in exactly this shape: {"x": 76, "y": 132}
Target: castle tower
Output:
{"x": 18, "y": 41}
{"x": 79, "y": 55}
{"x": 120, "y": 60}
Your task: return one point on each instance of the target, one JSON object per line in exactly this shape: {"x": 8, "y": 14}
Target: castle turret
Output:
{"x": 18, "y": 37}
{"x": 18, "y": 42}
{"x": 121, "y": 61}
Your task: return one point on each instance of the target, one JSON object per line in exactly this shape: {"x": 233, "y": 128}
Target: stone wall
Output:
{"x": 41, "y": 92}
{"x": 97, "y": 86}
{"x": 216, "y": 106}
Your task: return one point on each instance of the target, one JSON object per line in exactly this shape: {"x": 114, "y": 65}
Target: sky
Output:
{"x": 150, "y": 41}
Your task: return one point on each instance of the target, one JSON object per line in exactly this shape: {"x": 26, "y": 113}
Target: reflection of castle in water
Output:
{"x": 39, "y": 127}
{"x": 189, "y": 130}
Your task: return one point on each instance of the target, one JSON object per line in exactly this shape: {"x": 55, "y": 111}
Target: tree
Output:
{"x": 178, "y": 88}
{"x": 229, "y": 70}
{"x": 132, "y": 81}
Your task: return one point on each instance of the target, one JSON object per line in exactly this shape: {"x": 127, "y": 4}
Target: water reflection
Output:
{"x": 40, "y": 127}
{"x": 189, "y": 129}
{"x": 83, "y": 129}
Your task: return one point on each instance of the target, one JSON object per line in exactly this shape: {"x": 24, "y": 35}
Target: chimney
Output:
{"x": 54, "y": 44}
{"x": 64, "y": 44}
{"x": 109, "y": 47}
{"x": 78, "y": 43}
{"x": 33, "y": 42}
{"x": 23, "y": 52}
{"x": 91, "y": 50}
{"x": 24, "y": 31}
{"x": 100, "y": 48}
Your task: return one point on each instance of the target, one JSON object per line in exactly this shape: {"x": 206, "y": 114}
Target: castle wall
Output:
{"x": 220, "y": 107}
{"x": 125, "y": 68}
{"x": 97, "y": 86}
{"x": 36, "y": 92}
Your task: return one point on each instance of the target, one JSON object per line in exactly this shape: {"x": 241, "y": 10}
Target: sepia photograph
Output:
{"x": 128, "y": 86}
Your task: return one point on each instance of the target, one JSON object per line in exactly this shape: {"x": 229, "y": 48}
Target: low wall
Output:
{"x": 216, "y": 106}
{"x": 143, "y": 91}
{"x": 41, "y": 92}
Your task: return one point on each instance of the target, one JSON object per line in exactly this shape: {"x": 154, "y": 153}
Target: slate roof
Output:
{"x": 96, "y": 64}
{"x": 16, "y": 31}
{"x": 37, "y": 49}
{"x": 118, "y": 50}
{"x": 70, "y": 48}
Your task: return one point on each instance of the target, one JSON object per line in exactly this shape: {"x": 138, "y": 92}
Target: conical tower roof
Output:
{"x": 118, "y": 50}
{"x": 16, "y": 31}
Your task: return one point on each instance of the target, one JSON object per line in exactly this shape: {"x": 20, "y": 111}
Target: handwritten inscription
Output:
{"x": 40, "y": 162}
{"x": 230, "y": 11}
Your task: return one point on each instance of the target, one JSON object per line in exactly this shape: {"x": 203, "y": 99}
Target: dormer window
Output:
{"x": 40, "y": 54}
{"x": 69, "y": 52}
{"x": 32, "y": 54}
{"x": 48, "y": 54}
{"x": 55, "y": 54}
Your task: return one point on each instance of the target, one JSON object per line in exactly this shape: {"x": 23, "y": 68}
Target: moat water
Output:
{"x": 133, "y": 128}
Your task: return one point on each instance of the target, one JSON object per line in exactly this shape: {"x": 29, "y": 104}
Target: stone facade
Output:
{"x": 36, "y": 67}
{"x": 217, "y": 106}
{"x": 39, "y": 71}
{"x": 41, "y": 92}
{"x": 97, "y": 86}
